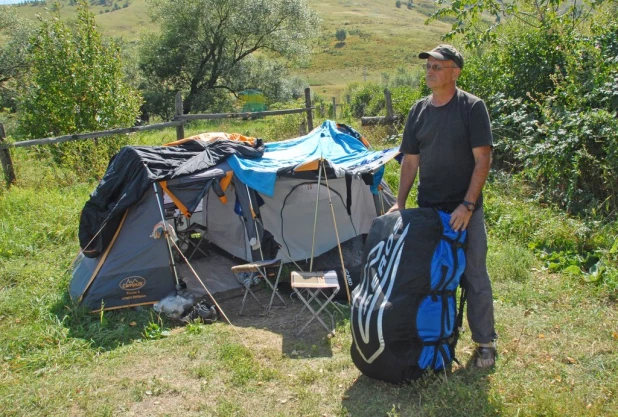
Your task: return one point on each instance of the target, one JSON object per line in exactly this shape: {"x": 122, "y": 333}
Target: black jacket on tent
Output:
{"x": 131, "y": 172}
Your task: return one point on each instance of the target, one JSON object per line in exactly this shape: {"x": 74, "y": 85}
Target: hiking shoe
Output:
{"x": 207, "y": 313}
{"x": 485, "y": 355}
{"x": 202, "y": 312}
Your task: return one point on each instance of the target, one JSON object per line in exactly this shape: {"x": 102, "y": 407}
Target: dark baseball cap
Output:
{"x": 444, "y": 52}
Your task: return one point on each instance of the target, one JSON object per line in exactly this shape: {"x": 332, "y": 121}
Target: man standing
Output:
{"x": 447, "y": 138}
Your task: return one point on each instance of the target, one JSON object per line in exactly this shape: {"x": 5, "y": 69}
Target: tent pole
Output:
{"x": 254, "y": 218}
{"x": 315, "y": 219}
{"x": 167, "y": 237}
{"x": 332, "y": 210}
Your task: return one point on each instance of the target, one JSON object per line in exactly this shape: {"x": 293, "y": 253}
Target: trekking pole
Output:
{"x": 167, "y": 237}
{"x": 315, "y": 219}
{"x": 332, "y": 210}
{"x": 242, "y": 339}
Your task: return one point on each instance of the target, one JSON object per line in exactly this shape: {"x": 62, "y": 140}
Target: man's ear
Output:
{"x": 456, "y": 73}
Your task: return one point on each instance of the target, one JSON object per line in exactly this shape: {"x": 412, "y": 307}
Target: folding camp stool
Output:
{"x": 314, "y": 283}
{"x": 256, "y": 269}
{"x": 187, "y": 244}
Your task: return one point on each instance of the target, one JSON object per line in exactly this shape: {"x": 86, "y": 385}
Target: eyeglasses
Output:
{"x": 436, "y": 67}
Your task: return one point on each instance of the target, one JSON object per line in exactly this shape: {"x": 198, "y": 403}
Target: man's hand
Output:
{"x": 395, "y": 207}
{"x": 460, "y": 218}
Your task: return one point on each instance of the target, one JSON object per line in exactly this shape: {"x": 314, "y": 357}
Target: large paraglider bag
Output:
{"x": 404, "y": 309}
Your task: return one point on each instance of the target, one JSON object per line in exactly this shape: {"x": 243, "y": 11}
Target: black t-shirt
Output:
{"x": 444, "y": 137}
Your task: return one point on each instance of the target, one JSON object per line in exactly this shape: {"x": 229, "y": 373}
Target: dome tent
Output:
{"x": 240, "y": 190}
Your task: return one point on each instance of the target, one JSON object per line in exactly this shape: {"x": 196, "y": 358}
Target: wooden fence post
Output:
{"x": 334, "y": 109}
{"x": 5, "y": 157}
{"x": 308, "y": 107}
{"x": 180, "y": 129}
{"x": 390, "y": 114}
{"x": 389, "y": 105}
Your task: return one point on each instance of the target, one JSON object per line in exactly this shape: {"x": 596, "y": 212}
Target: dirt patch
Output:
{"x": 281, "y": 322}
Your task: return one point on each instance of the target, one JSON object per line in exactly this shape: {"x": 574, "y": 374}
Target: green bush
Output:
{"x": 77, "y": 85}
{"x": 521, "y": 64}
{"x": 553, "y": 100}
{"x": 340, "y": 35}
{"x": 365, "y": 99}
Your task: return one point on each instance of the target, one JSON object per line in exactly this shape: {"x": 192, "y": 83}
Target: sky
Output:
{"x": 10, "y": 1}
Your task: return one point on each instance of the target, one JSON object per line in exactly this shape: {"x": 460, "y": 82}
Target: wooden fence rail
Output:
{"x": 179, "y": 121}
{"x": 248, "y": 115}
{"x": 91, "y": 135}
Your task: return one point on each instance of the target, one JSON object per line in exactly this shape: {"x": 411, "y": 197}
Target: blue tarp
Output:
{"x": 344, "y": 153}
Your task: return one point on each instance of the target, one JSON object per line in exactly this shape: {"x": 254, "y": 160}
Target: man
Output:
{"x": 447, "y": 138}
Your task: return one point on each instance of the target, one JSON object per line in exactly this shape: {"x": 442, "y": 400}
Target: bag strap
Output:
{"x": 463, "y": 296}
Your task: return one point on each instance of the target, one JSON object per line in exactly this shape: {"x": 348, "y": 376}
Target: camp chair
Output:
{"x": 314, "y": 284}
{"x": 260, "y": 269}
{"x": 187, "y": 240}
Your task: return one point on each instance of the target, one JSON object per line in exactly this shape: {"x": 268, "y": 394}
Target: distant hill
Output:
{"x": 380, "y": 36}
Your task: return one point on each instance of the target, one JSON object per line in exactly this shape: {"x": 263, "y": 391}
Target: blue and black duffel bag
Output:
{"x": 404, "y": 311}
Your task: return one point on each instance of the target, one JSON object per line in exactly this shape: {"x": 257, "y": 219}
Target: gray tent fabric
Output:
{"x": 136, "y": 269}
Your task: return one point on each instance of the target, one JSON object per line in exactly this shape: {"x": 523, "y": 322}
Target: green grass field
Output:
{"x": 558, "y": 335}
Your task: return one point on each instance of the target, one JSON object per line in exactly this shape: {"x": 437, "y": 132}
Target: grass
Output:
{"x": 558, "y": 334}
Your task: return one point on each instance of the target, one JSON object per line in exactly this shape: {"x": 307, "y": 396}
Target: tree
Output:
{"x": 77, "y": 84}
{"x": 340, "y": 35}
{"x": 77, "y": 81}
{"x": 14, "y": 35}
{"x": 398, "y": 4}
{"x": 202, "y": 42}
{"x": 470, "y": 17}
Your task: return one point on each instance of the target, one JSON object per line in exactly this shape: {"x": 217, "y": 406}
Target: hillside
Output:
{"x": 380, "y": 36}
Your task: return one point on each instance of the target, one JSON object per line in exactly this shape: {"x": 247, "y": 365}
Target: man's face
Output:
{"x": 441, "y": 74}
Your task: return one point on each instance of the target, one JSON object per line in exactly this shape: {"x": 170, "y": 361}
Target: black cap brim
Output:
{"x": 441, "y": 57}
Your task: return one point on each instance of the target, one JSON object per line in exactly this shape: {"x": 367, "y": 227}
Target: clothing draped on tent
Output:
{"x": 134, "y": 168}
{"x": 343, "y": 151}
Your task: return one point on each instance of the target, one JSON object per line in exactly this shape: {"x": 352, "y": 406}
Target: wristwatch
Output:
{"x": 470, "y": 206}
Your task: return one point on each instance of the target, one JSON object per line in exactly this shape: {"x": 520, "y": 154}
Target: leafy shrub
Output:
{"x": 340, "y": 35}
{"x": 522, "y": 64}
{"x": 553, "y": 100}
{"x": 365, "y": 99}
{"x": 77, "y": 85}
{"x": 286, "y": 126}
{"x": 403, "y": 98}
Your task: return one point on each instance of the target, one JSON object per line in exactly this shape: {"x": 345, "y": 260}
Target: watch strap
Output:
{"x": 469, "y": 205}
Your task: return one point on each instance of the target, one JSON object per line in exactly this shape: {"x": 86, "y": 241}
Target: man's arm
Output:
{"x": 409, "y": 169}
{"x": 482, "y": 162}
